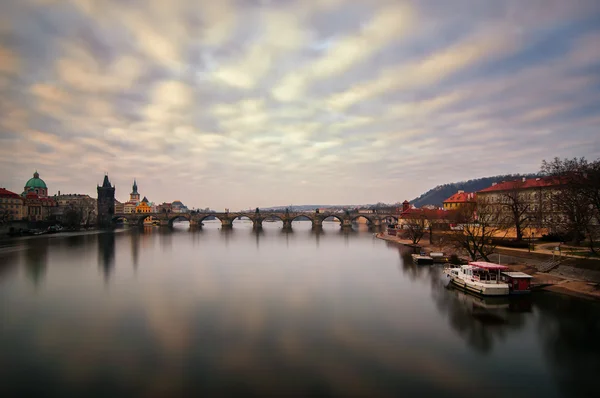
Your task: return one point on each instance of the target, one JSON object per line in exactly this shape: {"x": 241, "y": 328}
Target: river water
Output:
{"x": 161, "y": 312}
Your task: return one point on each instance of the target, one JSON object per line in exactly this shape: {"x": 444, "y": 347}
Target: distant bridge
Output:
{"x": 374, "y": 220}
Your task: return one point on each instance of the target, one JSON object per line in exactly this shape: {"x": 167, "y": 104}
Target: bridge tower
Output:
{"x": 106, "y": 203}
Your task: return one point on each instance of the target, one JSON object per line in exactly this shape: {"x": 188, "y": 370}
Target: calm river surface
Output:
{"x": 160, "y": 312}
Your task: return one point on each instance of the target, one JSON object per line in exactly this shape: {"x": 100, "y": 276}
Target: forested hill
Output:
{"x": 437, "y": 195}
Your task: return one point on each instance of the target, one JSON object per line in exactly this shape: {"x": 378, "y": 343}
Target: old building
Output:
{"x": 165, "y": 208}
{"x": 144, "y": 206}
{"x": 83, "y": 205}
{"x": 36, "y": 185}
{"x": 532, "y": 197}
{"x": 119, "y": 207}
{"x": 37, "y": 206}
{"x": 428, "y": 217}
{"x": 106, "y": 203}
{"x": 11, "y": 206}
{"x": 178, "y": 207}
{"x": 460, "y": 199}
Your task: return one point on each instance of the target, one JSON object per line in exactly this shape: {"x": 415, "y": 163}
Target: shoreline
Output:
{"x": 583, "y": 289}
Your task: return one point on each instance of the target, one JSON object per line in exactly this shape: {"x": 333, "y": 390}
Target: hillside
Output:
{"x": 438, "y": 194}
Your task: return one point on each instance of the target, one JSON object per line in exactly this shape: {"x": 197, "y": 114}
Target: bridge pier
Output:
{"x": 164, "y": 223}
{"x": 226, "y": 223}
{"x": 194, "y": 223}
{"x": 257, "y": 223}
{"x": 346, "y": 223}
{"x": 317, "y": 223}
{"x": 287, "y": 224}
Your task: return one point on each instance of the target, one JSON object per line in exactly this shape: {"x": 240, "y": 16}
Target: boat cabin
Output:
{"x": 518, "y": 282}
{"x": 485, "y": 272}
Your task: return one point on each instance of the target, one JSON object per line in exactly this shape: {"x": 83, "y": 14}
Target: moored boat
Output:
{"x": 518, "y": 282}
{"x": 420, "y": 259}
{"x": 479, "y": 277}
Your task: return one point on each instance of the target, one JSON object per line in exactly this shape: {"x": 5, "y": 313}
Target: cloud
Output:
{"x": 244, "y": 104}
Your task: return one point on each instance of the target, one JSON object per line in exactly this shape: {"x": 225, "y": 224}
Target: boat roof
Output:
{"x": 488, "y": 266}
{"x": 516, "y": 274}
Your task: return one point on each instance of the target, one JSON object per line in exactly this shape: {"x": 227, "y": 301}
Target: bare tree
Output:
{"x": 476, "y": 232}
{"x": 517, "y": 208}
{"x": 4, "y": 216}
{"x": 577, "y": 197}
{"x": 415, "y": 226}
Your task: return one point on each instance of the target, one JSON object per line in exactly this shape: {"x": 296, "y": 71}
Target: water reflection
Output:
{"x": 482, "y": 321}
{"x": 106, "y": 253}
{"x": 331, "y": 313}
{"x": 569, "y": 332}
{"x": 36, "y": 259}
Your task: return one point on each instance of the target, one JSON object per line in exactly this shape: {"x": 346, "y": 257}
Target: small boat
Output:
{"x": 420, "y": 259}
{"x": 439, "y": 257}
{"x": 518, "y": 282}
{"x": 479, "y": 277}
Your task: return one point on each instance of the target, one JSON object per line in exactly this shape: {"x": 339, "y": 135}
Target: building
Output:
{"x": 84, "y": 205}
{"x": 37, "y": 206}
{"x": 178, "y": 207}
{"x": 11, "y": 206}
{"x": 459, "y": 199}
{"x": 430, "y": 217}
{"x": 36, "y": 185}
{"x": 143, "y": 206}
{"x": 134, "y": 199}
{"x": 119, "y": 207}
{"x": 164, "y": 208}
{"x": 534, "y": 198}
{"x": 106, "y": 203}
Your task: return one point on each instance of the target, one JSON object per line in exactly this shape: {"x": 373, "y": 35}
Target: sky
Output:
{"x": 250, "y": 103}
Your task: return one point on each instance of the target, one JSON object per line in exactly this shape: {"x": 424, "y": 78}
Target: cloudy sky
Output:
{"x": 254, "y": 103}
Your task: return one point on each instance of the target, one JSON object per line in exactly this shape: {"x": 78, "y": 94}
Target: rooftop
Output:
{"x": 5, "y": 193}
{"x": 523, "y": 184}
{"x": 461, "y": 197}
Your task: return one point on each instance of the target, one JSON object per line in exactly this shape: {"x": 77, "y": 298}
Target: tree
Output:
{"x": 415, "y": 226}
{"x": 517, "y": 208}
{"x": 577, "y": 197}
{"x": 476, "y": 232}
{"x": 4, "y": 216}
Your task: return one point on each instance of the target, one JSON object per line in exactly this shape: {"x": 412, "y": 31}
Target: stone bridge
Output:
{"x": 375, "y": 220}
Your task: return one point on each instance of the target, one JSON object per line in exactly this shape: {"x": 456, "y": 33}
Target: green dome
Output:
{"x": 36, "y": 182}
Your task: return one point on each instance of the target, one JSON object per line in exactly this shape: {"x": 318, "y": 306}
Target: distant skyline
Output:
{"x": 239, "y": 104}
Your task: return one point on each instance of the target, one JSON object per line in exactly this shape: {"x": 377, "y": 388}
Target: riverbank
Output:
{"x": 573, "y": 281}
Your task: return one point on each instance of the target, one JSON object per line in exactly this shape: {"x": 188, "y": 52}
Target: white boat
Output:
{"x": 479, "y": 277}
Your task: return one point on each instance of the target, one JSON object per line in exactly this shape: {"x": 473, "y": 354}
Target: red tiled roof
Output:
{"x": 430, "y": 214}
{"x": 461, "y": 197}
{"x": 5, "y": 193}
{"x": 520, "y": 184}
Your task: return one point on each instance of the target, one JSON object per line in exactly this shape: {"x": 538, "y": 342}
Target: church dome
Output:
{"x": 35, "y": 182}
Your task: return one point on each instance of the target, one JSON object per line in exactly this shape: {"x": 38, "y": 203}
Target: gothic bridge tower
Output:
{"x": 106, "y": 203}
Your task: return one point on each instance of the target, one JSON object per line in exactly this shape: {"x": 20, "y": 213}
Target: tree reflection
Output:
{"x": 106, "y": 253}
{"x": 569, "y": 330}
{"x": 36, "y": 259}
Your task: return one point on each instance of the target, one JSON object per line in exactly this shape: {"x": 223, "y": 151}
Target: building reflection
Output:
{"x": 106, "y": 253}
{"x": 135, "y": 249}
{"x": 36, "y": 259}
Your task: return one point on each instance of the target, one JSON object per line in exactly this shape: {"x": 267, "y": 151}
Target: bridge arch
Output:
{"x": 365, "y": 216}
{"x": 273, "y": 217}
{"x": 239, "y": 216}
{"x": 302, "y": 217}
{"x": 203, "y": 217}
{"x": 178, "y": 216}
{"x": 116, "y": 218}
{"x": 140, "y": 217}
{"x": 330, "y": 215}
